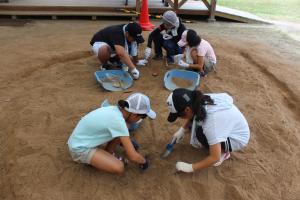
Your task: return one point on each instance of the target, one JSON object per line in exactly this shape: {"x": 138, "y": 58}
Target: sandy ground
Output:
{"x": 47, "y": 84}
{"x": 292, "y": 29}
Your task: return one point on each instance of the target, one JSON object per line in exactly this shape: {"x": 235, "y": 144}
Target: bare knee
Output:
{"x": 104, "y": 54}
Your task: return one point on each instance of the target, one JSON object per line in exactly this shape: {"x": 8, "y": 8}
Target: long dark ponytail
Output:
{"x": 199, "y": 103}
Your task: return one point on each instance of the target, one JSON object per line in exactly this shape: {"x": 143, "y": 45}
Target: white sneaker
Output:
{"x": 224, "y": 156}
{"x": 101, "y": 68}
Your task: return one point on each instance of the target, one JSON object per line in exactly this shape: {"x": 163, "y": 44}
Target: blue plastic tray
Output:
{"x": 194, "y": 77}
{"x": 114, "y": 80}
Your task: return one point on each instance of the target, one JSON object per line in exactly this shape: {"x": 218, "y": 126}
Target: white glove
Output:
{"x": 147, "y": 53}
{"x": 177, "y": 58}
{"x": 183, "y": 64}
{"x": 184, "y": 167}
{"x": 135, "y": 73}
{"x": 179, "y": 135}
{"x": 166, "y": 36}
{"x": 142, "y": 62}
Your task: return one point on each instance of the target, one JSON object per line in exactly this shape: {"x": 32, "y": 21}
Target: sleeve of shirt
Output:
{"x": 119, "y": 129}
{"x": 201, "y": 50}
{"x": 134, "y": 49}
{"x": 153, "y": 34}
{"x": 94, "y": 38}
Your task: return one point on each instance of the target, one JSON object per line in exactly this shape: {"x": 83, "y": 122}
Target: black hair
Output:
{"x": 192, "y": 38}
{"x": 124, "y": 104}
{"x": 143, "y": 116}
{"x": 200, "y": 100}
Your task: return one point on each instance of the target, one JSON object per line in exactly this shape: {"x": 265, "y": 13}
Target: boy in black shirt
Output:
{"x": 119, "y": 42}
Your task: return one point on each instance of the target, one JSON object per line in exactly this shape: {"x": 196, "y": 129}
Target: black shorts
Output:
{"x": 225, "y": 146}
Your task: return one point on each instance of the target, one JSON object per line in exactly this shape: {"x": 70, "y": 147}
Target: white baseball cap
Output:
{"x": 182, "y": 42}
{"x": 140, "y": 104}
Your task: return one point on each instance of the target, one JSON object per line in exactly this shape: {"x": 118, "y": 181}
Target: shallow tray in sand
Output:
{"x": 176, "y": 78}
{"x": 114, "y": 80}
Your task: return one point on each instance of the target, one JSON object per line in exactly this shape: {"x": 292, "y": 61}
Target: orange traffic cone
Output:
{"x": 144, "y": 17}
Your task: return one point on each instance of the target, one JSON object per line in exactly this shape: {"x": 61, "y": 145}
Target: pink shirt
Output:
{"x": 205, "y": 49}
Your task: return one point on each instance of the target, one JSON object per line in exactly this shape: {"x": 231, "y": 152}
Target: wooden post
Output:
{"x": 212, "y": 11}
{"x": 137, "y": 6}
{"x": 175, "y": 5}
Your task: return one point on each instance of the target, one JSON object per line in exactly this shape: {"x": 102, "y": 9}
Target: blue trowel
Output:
{"x": 169, "y": 149}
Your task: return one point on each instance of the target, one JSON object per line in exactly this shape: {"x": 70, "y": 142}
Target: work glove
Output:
{"x": 147, "y": 53}
{"x": 142, "y": 62}
{"x": 166, "y": 36}
{"x": 183, "y": 64}
{"x": 184, "y": 167}
{"x": 135, "y": 73}
{"x": 179, "y": 135}
{"x": 146, "y": 164}
{"x": 177, "y": 58}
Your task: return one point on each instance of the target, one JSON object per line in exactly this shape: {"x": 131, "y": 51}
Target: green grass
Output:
{"x": 269, "y": 9}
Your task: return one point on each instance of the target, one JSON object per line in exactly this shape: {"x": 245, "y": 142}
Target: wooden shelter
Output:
{"x": 176, "y": 5}
{"x": 130, "y": 8}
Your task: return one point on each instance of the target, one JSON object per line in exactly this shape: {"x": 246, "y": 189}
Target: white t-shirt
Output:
{"x": 224, "y": 120}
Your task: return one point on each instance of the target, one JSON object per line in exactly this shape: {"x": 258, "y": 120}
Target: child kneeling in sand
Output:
{"x": 199, "y": 54}
{"x": 118, "y": 43}
{"x": 218, "y": 125}
{"x": 108, "y": 125}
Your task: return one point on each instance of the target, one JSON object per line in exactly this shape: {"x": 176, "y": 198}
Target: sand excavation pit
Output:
{"x": 47, "y": 73}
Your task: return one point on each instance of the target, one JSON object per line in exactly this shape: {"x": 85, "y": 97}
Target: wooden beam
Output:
{"x": 212, "y": 11}
{"x": 206, "y": 4}
{"x": 61, "y": 8}
{"x": 180, "y": 11}
{"x": 14, "y": 14}
{"x": 181, "y": 3}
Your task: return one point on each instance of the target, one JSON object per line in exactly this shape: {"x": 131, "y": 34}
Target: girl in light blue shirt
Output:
{"x": 108, "y": 125}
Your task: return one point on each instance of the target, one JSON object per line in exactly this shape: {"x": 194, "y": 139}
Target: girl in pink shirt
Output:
{"x": 199, "y": 54}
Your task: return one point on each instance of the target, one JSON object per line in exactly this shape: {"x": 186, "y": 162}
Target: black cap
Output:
{"x": 177, "y": 101}
{"x": 135, "y": 31}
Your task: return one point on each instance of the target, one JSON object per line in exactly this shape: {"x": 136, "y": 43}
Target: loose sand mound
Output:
{"x": 47, "y": 84}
